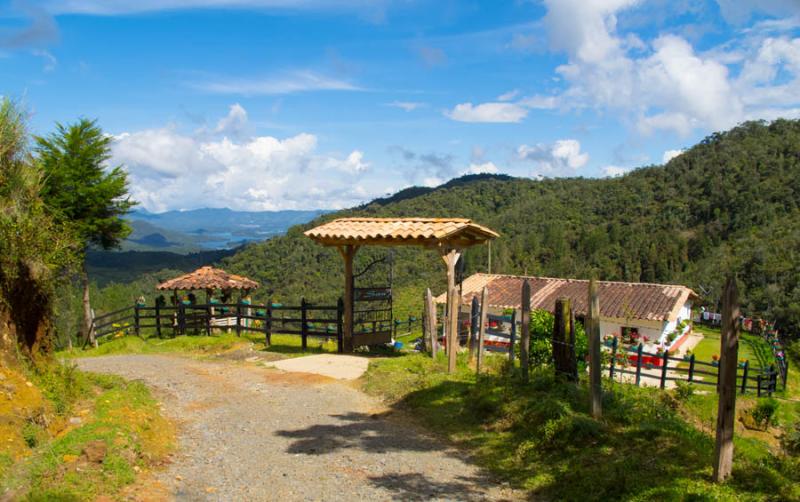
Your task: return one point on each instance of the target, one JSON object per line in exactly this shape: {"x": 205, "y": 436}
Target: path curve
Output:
{"x": 252, "y": 433}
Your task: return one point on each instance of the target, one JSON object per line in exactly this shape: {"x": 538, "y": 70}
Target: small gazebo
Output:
{"x": 209, "y": 279}
{"x": 447, "y": 236}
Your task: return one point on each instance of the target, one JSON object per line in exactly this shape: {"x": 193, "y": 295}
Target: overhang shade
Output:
{"x": 206, "y": 278}
{"x": 426, "y": 232}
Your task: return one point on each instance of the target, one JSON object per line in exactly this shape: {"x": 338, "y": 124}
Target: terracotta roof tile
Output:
{"x": 422, "y": 231}
{"x": 618, "y": 300}
{"x": 208, "y": 278}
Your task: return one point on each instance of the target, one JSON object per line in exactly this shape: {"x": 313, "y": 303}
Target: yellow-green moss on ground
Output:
{"x": 86, "y": 435}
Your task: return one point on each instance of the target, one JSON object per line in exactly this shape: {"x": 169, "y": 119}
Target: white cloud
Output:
{"x": 408, "y": 106}
{"x": 540, "y": 102}
{"x": 670, "y": 154}
{"x": 485, "y": 167}
{"x": 299, "y": 81}
{"x": 665, "y": 83}
{"x": 234, "y": 123}
{"x": 172, "y": 170}
{"x": 613, "y": 171}
{"x": 487, "y": 112}
{"x": 508, "y": 96}
{"x": 562, "y": 157}
{"x": 50, "y": 61}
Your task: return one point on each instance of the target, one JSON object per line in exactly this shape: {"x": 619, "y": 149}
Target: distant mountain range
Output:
{"x": 206, "y": 229}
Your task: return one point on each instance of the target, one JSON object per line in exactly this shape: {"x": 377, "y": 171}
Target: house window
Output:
{"x": 630, "y": 335}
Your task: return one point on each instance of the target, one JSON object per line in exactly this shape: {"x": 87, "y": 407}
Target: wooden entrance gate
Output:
{"x": 372, "y": 302}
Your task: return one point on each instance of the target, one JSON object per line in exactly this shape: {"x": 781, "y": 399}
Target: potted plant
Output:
{"x": 688, "y": 355}
{"x": 715, "y": 360}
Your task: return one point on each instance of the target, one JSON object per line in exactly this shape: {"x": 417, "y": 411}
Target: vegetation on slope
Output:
{"x": 730, "y": 203}
{"x": 649, "y": 445}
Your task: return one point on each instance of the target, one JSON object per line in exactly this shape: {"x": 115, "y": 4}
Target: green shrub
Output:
{"x": 683, "y": 391}
{"x": 764, "y": 412}
{"x": 790, "y": 440}
{"x": 31, "y": 434}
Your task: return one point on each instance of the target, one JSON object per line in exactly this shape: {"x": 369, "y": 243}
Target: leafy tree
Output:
{"x": 84, "y": 192}
{"x": 33, "y": 247}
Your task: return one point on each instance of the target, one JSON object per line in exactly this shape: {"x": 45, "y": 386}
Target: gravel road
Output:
{"x": 252, "y": 433}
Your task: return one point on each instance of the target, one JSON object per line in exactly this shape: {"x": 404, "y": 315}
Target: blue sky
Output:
{"x": 282, "y": 104}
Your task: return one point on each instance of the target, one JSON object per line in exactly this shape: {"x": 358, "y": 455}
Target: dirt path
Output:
{"x": 250, "y": 433}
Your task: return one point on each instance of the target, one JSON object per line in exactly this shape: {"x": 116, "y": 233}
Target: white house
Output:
{"x": 651, "y": 311}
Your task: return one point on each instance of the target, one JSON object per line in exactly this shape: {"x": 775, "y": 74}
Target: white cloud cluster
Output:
{"x": 286, "y": 83}
{"x": 500, "y": 111}
{"x": 614, "y": 171}
{"x": 563, "y": 157}
{"x": 172, "y": 170}
{"x": 665, "y": 84}
{"x": 669, "y": 155}
{"x": 482, "y": 168}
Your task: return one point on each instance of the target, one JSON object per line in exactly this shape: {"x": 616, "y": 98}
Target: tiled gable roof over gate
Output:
{"x": 619, "y": 300}
{"x": 400, "y": 231}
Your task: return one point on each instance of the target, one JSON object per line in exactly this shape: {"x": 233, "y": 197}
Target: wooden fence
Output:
{"x": 688, "y": 369}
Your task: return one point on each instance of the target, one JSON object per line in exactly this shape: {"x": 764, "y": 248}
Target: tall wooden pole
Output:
{"x": 482, "y": 326}
{"x": 525, "y": 336}
{"x": 595, "y": 368}
{"x": 430, "y": 321}
{"x": 348, "y": 252}
{"x": 729, "y": 359}
{"x": 450, "y": 257}
{"x": 474, "y": 319}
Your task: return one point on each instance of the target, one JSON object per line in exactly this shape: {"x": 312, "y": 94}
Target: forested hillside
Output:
{"x": 729, "y": 203}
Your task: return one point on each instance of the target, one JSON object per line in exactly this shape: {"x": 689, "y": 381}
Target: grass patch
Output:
{"x": 94, "y": 433}
{"x": 540, "y": 437}
{"x": 753, "y": 348}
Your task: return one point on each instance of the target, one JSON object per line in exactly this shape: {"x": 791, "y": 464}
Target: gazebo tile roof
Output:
{"x": 399, "y": 230}
{"x": 208, "y": 278}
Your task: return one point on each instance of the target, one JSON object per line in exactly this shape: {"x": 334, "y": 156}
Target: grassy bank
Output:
{"x": 650, "y": 444}
{"x": 76, "y": 436}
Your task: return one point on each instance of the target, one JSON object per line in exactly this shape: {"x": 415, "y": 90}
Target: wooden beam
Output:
{"x": 728, "y": 362}
{"x": 430, "y": 321}
{"x": 595, "y": 368}
{"x": 482, "y": 326}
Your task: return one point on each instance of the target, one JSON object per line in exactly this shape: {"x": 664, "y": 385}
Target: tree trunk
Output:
{"x": 88, "y": 331}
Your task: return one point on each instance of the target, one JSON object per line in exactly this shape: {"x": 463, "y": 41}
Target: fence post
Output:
{"x": 726, "y": 411}
{"x": 239, "y": 318}
{"x": 612, "y": 367}
{"x": 691, "y": 368}
{"x": 182, "y": 318}
{"x": 744, "y": 376}
{"x": 593, "y": 333}
{"x": 758, "y": 385}
{"x": 209, "y": 313}
{"x": 268, "y": 323}
{"x": 525, "y": 336}
{"x": 664, "y": 367}
{"x": 773, "y": 380}
{"x": 474, "y": 319}
{"x": 303, "y": 330}
{"x": 158, "y": 318}
{"x": 430, "y": 319}
{"x": 482, "y": 326}
{"x": 339, "y": 325}
{"x": 513, "y": 338}
{"x": 573, "y": 359}
{"x": 639, "y": 363}
{"x": 136, "y": 327}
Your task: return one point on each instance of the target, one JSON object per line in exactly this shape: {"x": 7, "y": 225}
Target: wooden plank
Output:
{"x": 473, "y": 328}
{"x": 482, "y": 326}
{"x": 430, "y": 309}
{"x": 593, "y": 333}
{"x": 729, "y": 360}
{"x": 525, "y": 336}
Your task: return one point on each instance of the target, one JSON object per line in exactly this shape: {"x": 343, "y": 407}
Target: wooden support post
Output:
{"x": 239, "y": 318}
{"x": 303, "y": 324}
{"x": 450, "y": 257}
{"x": 560, "y": 337}
{"x": 573, "y": 359}
{"x": 474, "y": 319}
{"x": 729, "y": 359}
{"x": 268, "y": 323}
{"x": 482, "y": 326}
{"x": 612, "y": 367}
{"x": 158, "y": 319}
{"x": 639, "y": 363}
{"x": 664, "y": 367}
{"x": 430, "y": 320}
{"x": 136, "y": 323}
{"x": 745, "y": 370}
{"x": 339, "y": 325}
{"x": 691, "y": 368}
{"x": 513, "y": 339}
{"x": 525, "y": 327}
{"x": 348, "y": 252}
{"x": 593, "y": 333}
{"x": 181, "y": 318}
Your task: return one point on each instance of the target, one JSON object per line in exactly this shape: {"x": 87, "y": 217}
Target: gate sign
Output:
{"x": 372, "y": 294}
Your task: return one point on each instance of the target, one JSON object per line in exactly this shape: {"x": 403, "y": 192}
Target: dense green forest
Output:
{"x": 728, "y": 204}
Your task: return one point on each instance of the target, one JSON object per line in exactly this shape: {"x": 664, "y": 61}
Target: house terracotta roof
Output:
{"x": 618, "y": 300}
{"x": 208, "y": 278}
{"x": 399, "y": 231}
